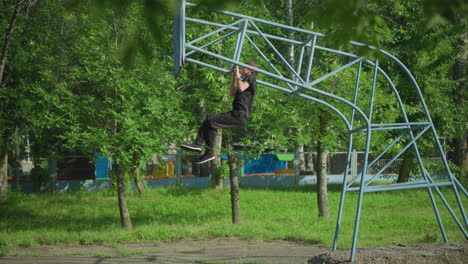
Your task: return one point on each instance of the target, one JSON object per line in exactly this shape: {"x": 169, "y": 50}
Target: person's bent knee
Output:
{"x": 209, "y": 123}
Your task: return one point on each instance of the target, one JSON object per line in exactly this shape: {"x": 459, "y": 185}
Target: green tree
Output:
{"x": 15, "y": 16}
{"x": 129, "y": 114}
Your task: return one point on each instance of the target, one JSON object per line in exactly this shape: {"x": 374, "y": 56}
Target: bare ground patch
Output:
{"x": 434, "y": 253}
{"x": 233, "y": 250}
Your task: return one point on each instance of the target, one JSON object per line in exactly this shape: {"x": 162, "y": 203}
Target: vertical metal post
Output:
{"x": 353, "y": 168}
{"x": 343, "y": 192}
{"x": 361, "y": 194}
{"x": 240, "y": 42}
{"x": 436, "y": 209}
{"x": 436, "y": 137}
{"x": 182, "y": 10}
{"x": 299, "y": 64}
{"x": 364, "y": 167}
{"x": 311, "y": 58}
{"x": 374, "y": 81}
{"x": 356, "y": 91}
{"x": 179, "y": 37}
{"x": 454, "y": 187}
{"x": 418, "y": 156}
{"x": 427, "y": 179}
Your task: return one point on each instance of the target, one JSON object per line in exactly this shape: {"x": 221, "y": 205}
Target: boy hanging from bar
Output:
{"x": 243, "y": 88}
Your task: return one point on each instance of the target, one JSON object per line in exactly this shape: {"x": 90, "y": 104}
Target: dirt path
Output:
{"x": 235, "y": 251}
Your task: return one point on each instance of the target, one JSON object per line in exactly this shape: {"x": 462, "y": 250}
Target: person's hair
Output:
{"x": 253, "y": 64}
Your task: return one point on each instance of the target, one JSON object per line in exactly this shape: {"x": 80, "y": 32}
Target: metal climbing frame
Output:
{"x": 297, "y": 80}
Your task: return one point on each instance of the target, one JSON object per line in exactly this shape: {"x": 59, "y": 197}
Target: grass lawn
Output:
{"x": 175, "y": 213}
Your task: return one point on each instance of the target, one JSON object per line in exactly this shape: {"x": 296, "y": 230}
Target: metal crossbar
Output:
{"x": 301, "y": 84}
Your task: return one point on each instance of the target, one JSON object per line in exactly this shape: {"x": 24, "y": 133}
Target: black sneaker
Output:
{"x": 191, "y": 147}
{"x": 205, "y": 158}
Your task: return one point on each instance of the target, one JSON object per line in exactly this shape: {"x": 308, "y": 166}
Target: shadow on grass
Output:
{"x": 21, "y": 220}
{"x": 185, "y": 191}
{"x": 81, "y": 211}
{"x": 301, "y": 188}
{"x": 67, "y": 213}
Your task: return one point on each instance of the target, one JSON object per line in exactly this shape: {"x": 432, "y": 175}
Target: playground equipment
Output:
{"x": 165, "y": 170}
{"x": 298, "y": 80}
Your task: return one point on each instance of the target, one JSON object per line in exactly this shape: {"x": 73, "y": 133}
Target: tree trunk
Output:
{"x": 3, "y": 59}
{"x": 302, "y": 160}
{"x": 322, "y": 154}
{"x": 3, "y": 173}
{"x": 461, "y": 154}
{"x": 124, "y": 214}
{"x": 6, "y": 41}
{"x": 404, "y": 174}
{"x": 322, "y": 192}
{"x": 217, "y": 180}
{"x": 234, "y": 179}
{"x": 52, "y": 169}
{"x": 309, "y": 160}
{"x": 459, "y": 74}
{"x": 138, "y": 184}
{"x": 290, "y": 22}
{"x": 310, "y": 163}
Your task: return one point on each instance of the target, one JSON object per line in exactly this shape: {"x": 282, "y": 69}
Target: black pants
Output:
{"x": 207, "y": 131}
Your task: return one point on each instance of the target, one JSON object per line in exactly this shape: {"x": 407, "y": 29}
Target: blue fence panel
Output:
{"x": 103, "y": 166}
{"x": 267, "y": 164}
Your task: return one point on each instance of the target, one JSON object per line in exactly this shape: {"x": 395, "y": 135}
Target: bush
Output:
{"x": 39, "y": 176}
{"x": 223, "y": 171}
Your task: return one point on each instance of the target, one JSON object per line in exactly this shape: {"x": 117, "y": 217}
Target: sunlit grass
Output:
{"x": 175, "y": 213}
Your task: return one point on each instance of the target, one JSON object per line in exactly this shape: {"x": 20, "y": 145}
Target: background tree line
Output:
{"x": 97, "y": 76}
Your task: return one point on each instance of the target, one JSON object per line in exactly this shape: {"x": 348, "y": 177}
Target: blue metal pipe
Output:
{"x": 311, "y": 58}
{"x": 402, "y": 186}
{"x": 461, "y": 187}
{"x": 277, "y": 52}
{"x": 388, "y": 147}
{"x": 240, "y": 42}
{"x": 207, "y": 65}
{"x": 203, "y": 22}
{"x": 435, "y": 207}
{"x": 299, "y": 64}
{"x": 364, "y": 117}
{"x": 266, "y": 59}
{"x": 434, "y": 132}
{"x": 348, "y": 156}
{"x": 369, "y": 127}
{"x": 261, "y": 21}
{"x": 361, "y": 194}
{"x": 365, "y": 166}
{"x": 397, "y": 155}
{"x": 343, "y": 192}
{"x": 375, "y": 127}
{"x": 356, "y": 90}
{"x": 212, "y": 42}
{"x": 336, "y": 71}
{"x": 416, "y": 148}
{"x": 364, "y": 170}
{"x": 452, "y": 213}
{"x": 215, "y": 32}
{"x": 334, "y": 109}
{"x": 330, "y": 73}
{"x": 429, "y": 190}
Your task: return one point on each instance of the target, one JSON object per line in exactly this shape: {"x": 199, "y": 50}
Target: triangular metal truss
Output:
{"x": 296, "y": 80}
